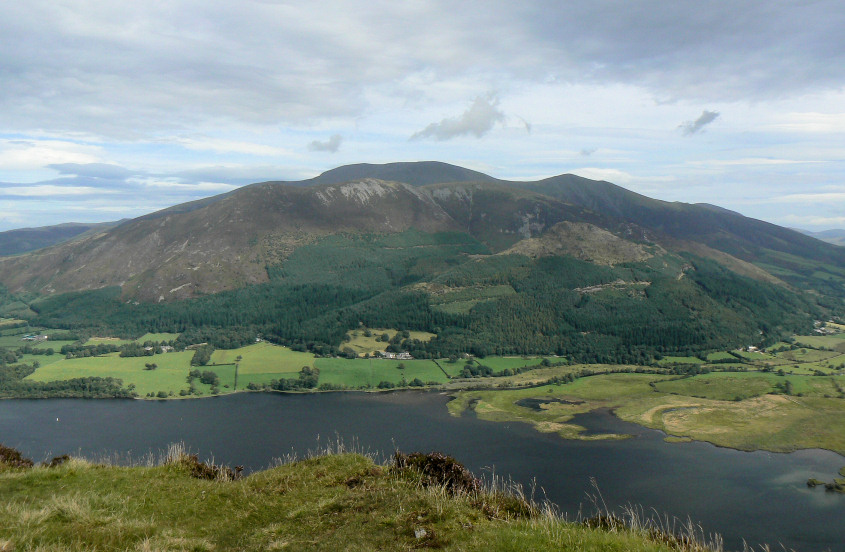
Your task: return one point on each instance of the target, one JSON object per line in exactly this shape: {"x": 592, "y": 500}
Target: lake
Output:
{"x": 756, "y": 496}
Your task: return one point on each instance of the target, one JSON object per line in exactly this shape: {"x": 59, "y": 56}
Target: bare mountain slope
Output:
{"x": 223, "y": 244}
{"x": 586, "y": 242}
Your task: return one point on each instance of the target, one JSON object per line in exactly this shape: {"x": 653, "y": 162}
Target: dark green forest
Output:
{"x": 590, "y": 313}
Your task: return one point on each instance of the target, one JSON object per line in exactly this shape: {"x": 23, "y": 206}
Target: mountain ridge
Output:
{"x": 226, "y": 241}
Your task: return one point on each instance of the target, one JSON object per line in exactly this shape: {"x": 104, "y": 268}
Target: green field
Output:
{"x": 154, "y": 337}
{"x": 259, "y": 363}
{"x": 157, "y": 337}
{"x": 43, "y": 360}
{"x": 804, "y": 354}
{"x": 680, "y": 360}
{"x": 721, "y": 386}
{"x": 729, "y": 386}
{"x": 263, "y": 362}
{"x": 835, "y": 342}
{"x": 170, "y": 375}
{"x": 721, "y": 355}
{"x": 108, "y": 341}
{"x": 502, "y": 363}
{"x": 15, "y": 342}
{"x": 356, "y": 373}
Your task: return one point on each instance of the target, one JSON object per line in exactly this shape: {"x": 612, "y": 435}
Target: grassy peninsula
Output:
{"x": 332, "y": 502}
{"x": 742, "y": 410}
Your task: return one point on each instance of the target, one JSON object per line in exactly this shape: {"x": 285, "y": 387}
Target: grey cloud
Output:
{"x": 93, "y": 170}
{"x": 693, "y": 127}
{"x": 707, "y": 49}
{"x": 330, "y": 145}
{"x": 477, "y": 120}
{"x": 79, "y": 67}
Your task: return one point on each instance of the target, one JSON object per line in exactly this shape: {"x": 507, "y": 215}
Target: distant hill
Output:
{"x": 836, "y": 237}
{"x": 23, "y": 240}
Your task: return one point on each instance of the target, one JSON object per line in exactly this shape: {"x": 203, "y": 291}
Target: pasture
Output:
{"x": 668, "y": 360}
{"x": 157, "y": 337}
{"x": 497, "y": 364}
{"x": 108, "y": 341}
{"x": 263, "y": 362}
{"x": 357, "y": 373}
{"x": 170, "y": 376}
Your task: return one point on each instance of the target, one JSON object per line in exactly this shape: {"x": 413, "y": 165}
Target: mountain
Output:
{"x": 23, "y": 240}
{"x": 564, "y": 264}
{"x": 780, "y": 251}
{"x": 836, "y": 237}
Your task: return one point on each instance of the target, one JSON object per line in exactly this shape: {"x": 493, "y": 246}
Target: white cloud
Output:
{"x": 478, "y": 120}
{"x": 35, "y": 154}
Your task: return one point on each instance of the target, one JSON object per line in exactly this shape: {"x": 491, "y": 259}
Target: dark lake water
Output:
{"x": 758, "y": 496}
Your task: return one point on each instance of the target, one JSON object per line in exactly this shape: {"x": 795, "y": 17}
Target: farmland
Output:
{"x": 371, "y": 372}
{"x": 169, "y": 376}
{"x": 789, "y": 396}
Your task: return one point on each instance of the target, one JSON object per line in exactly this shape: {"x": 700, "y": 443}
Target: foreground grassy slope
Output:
{"x": 337, "y": 502}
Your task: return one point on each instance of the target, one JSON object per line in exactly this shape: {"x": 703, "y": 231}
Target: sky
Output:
{"x": 110, "y": 110}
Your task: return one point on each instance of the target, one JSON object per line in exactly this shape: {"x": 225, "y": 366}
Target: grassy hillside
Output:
{"x": 334, "y": 502}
